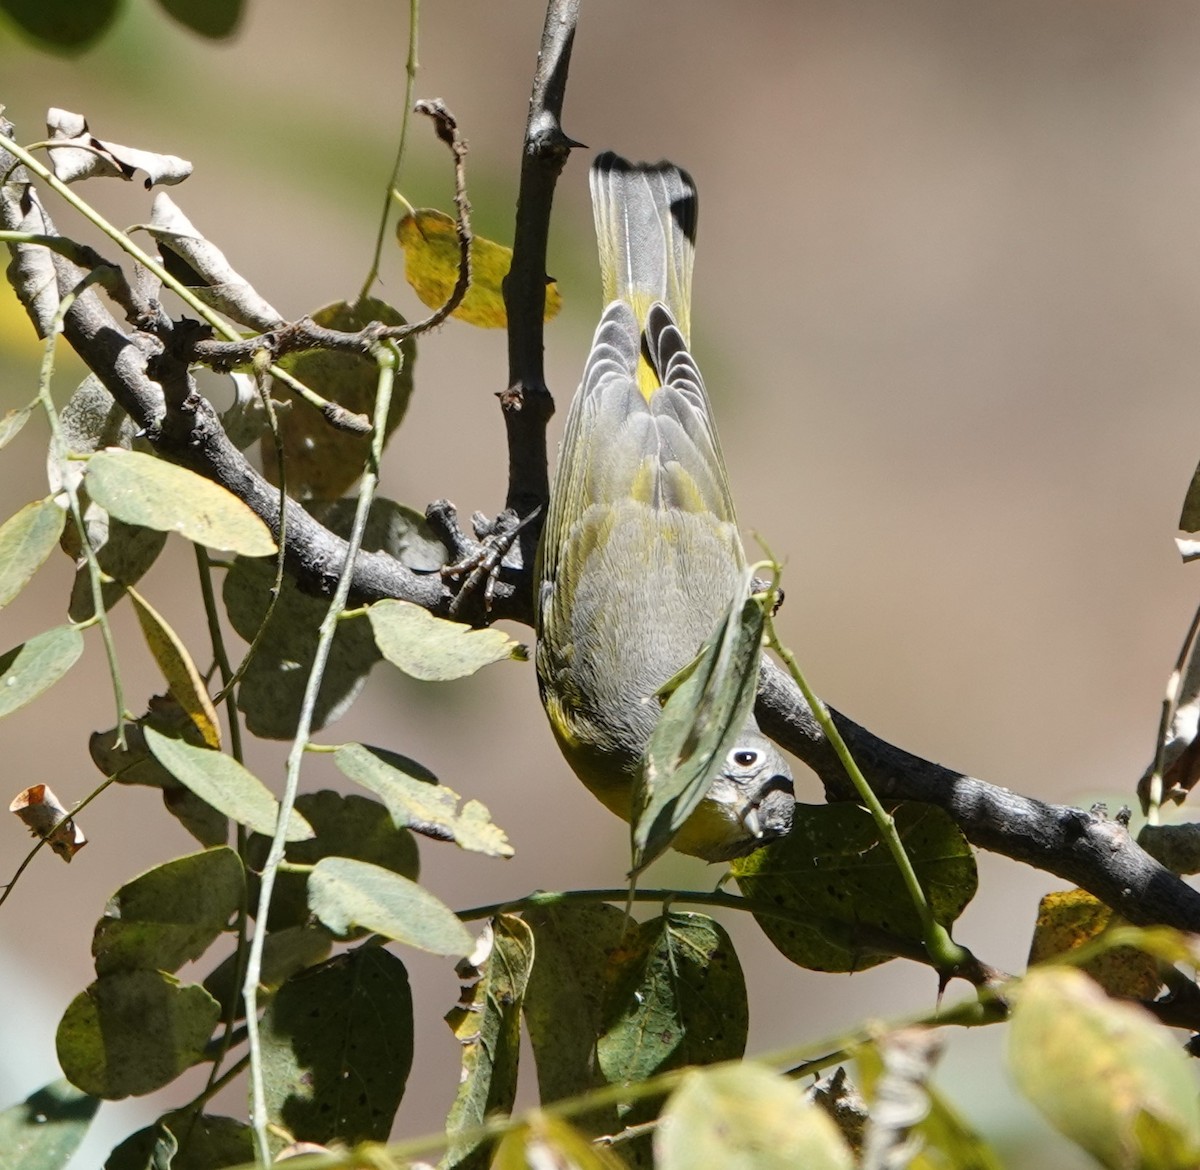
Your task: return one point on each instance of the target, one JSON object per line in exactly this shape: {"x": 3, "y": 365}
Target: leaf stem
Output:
{"x": 221, "y": 657}
{"x": 849, "y": 936}
{"x": 387, "y": 356}
{"x": 59, "y": 453}
{"x": 944, "y": 953}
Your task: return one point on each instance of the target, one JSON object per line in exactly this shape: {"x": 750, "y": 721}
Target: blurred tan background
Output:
{"x": 947, "y": 295}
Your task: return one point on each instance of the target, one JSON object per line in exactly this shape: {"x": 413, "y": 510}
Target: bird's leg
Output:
{"x": 477, "y": 562}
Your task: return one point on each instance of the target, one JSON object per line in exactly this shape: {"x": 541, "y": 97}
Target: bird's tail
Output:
{"x": 646, "y": 231}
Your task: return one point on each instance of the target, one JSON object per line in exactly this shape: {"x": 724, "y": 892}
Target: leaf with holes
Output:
{"x": 487, "y": 1023}
{"x": 417, "y": 801}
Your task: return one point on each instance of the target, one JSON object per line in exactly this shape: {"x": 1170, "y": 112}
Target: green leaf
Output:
{"x": 285, "y": 953}
{"x": 1104, "y": 1073}
{"x": 344, "y": 893}
{"x": 678, "y": 997}
{"x": 432, "y": 648}
{"x": 840, "y": 887}
{"x": 565, "y": 1000}
{"x": 132, "y": 1032}
{"x": 221, "y": 781}
{"x": 44, "y": 1130}
{"x": 133, "y": 764}
{"x": 272, "y": 688}
{"x": 35, "y": 666}
{"x": 63, "y": 26}
{"x": 12, "y": 421}
{"x": 345, "y": 826}
{"x": 337, "y": 1048}
{"x": 126, "y": 556}
{"x": 26, "y": 540}
{"x": 431, "y": 260}
{"x": 1070, "y": 918}
{"x": 169, "y": 915}
{"x": 549, "y": 1142}
{"x": 184, "y": 1141}
{"x": 187, "y": 687}
{"x": 487, "y": 1023}
{"x": 210, "y": 18}
{"x": 322, "y": 462}
{"x": 141, "y": 489}
{"x": 1189, "y": 516}
{"x": 705, "y": 713}
{"x": 417, "y": 801}
{"x": 746, "y": 1116}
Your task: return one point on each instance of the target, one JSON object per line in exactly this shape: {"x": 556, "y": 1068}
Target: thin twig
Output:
{"x": 410, "y": 72}
{"x": 388, "y": 358}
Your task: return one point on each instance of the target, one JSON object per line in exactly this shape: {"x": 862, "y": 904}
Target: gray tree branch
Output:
{"x": 145, "y": 369}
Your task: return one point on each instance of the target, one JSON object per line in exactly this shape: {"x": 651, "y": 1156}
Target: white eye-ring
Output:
{"x": 745, "y": 758}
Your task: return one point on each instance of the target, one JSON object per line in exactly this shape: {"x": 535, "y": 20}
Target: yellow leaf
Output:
{"x": 178, "y": 669}
{"x": 1069, "y": 918}
{"x": 430, "y": 245}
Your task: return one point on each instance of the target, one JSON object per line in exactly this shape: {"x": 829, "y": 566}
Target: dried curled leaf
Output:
{"x": 46, "y": 818}
{"x": 431, "y": 254}
{"x": 79, "y": 154}
{"x": 202, "y": 267}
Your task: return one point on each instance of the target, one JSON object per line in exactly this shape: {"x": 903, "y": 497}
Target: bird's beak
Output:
{"x": 752, "y": 823}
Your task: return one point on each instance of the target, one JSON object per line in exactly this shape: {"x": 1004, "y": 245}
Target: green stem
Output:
{"x": 60, "y": 453}
{"x": 848, "y": 936}
{"x": 944, "y": 953}
{"x": 221, "y": 657}
{"x": 387, "y": 356}
{"x": 411, "y": 67}
{"x": 815, "y": 1055}
{"x": 281, "y": 554}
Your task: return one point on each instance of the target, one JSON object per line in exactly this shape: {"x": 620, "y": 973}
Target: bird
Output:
{"x": 640, "y": 555}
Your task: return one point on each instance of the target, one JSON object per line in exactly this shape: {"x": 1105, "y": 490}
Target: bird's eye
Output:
{"x": 745, "y": 759}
